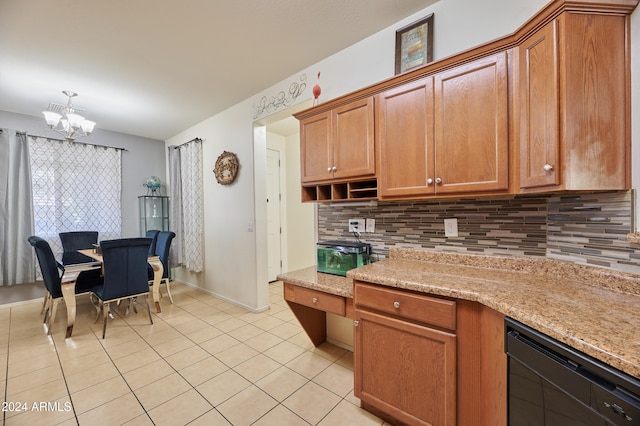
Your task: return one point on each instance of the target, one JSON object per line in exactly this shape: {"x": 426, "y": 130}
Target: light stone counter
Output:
{"x": 310, "y": 278}
{"x": 593, "y": 310}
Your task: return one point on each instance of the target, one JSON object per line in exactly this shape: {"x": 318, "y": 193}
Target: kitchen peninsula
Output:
{"x": 593, "y": 310}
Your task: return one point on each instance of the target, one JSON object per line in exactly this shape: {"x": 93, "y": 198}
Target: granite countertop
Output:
{"x": 593, "y": 310}
{"x": 310, "y": 278}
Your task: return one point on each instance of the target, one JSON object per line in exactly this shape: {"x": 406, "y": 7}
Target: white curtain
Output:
{"x": 17, "y": 262}
{"x": 76, "y": 187}
{"x": 190, "y": 200}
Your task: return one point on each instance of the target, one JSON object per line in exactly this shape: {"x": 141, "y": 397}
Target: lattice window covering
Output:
{"x": 76, "y": 187}
{"x": 192, "y": 205}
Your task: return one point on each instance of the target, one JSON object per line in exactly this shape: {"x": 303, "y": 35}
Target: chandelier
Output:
{"x": 66, "y": 120}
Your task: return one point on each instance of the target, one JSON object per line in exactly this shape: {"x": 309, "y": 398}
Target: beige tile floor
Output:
{"x": 202, "y": 362}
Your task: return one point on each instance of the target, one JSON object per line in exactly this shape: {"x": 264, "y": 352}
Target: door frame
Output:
{"x": 282, "y": 212}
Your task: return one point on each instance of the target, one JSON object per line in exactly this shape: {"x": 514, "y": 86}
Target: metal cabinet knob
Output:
{"x": 396, "y": 305}
{"x": 429, "y": 181}
{"x": 334, "y": 168}
{"x": 356, "y": 323}
{"x": 438, "y": 180}
{"x": 315, "y": 300}
{"x": 547, "y": 167}
{"x": 329, "y": 169}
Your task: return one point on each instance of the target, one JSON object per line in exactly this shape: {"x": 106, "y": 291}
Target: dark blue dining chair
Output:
{"x": 124, "y": 264}
{"x": 74, "y": 241}
{"x": 163, "y": 247}
{"x": 153, "y": 234}
{"x": 53, "y": 275}
{"x": 78, "y": 240}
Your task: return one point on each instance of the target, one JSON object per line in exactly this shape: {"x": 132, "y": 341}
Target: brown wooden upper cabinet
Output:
{"x": 447, "y": 133}
{"x": 339, "y": 143}
{"x": 574, "y": 105}
{"x": 405, "y": 139}
{"x": 545, "y": 109}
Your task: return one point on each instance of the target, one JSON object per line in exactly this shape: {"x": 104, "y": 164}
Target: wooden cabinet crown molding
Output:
{"x": 543, "y": 17}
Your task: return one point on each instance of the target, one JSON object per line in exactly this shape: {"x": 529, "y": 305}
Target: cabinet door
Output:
{"x": 471, "y": 127}
{"x": 594, "y": 95}
{"x": 353, "y": 143}
{"x": 539, "y": 95}
{"x": 315, "y": 147}
{"x": 406, "y": 370}
{"x": 405, "y": 139}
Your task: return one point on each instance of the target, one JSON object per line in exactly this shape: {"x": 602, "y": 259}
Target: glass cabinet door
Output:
{"x": 154, "y": 213}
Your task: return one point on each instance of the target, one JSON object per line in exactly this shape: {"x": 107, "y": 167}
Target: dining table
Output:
{"x": 72, "y": 271}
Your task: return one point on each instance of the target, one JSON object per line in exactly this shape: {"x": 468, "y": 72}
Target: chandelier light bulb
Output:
{"x": 52, "y": 118}
{"x": 75, "y": 120}
{"x": 87, "y": 126}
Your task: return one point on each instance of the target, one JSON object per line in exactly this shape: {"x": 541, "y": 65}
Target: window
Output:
{"x": 76, "y": 187}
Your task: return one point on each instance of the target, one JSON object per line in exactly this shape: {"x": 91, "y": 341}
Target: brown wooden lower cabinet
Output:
{"x": 425, "y": 360}
{"x": 311, "y": 306}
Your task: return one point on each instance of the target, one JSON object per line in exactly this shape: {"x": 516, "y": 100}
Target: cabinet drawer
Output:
{"x": 425, "y": 309}
{"x": 316, "y": 299}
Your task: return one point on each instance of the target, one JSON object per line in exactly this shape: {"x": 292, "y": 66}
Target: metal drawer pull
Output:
{"x": 315, "y": 300}
{"x": 396, "y": 305}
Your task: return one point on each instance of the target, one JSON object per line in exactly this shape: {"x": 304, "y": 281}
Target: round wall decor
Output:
{"x": 226, "y": 169}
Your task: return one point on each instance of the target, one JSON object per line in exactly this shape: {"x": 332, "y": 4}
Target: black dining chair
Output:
{"x": 153, "y": 234}
{"x": 124, "y": 263}
{"x": 53, "y": 276}
{"x": 163, "y": 247}
{"x": 78, "y": 240}
{"x": 74, "y": 241}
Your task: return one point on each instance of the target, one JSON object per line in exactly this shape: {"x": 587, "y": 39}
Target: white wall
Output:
{"x": 232, "y": 252}
{"x": 143, "y": 157}
{"x": 301, "y": 217}
{"x": 230, "y": 259}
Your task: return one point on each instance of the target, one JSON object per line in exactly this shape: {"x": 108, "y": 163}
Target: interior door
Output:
{"x": 274, "y": 226}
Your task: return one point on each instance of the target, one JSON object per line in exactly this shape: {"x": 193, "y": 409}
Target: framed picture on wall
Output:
{"x": 414, "y": 44}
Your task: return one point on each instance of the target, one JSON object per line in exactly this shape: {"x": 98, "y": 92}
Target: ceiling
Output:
{"x": 153, "y": 68}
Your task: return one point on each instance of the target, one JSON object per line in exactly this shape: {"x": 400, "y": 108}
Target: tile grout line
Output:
{"x": 64, "y": 377}
{"x": 279, "y": 403}
{"x": 172, "y": 367}
{"x": 6, "y": 377}
{"x": 120, "y": 372}
{"x": 181, "y": 323}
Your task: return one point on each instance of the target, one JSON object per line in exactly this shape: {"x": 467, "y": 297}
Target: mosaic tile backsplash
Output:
{"x": 588, "y": 229}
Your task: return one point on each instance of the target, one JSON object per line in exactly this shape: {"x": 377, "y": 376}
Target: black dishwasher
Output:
{"x": 552, "y": 384}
